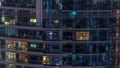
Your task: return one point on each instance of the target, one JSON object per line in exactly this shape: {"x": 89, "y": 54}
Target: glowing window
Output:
{"x": 33, "y": 20}
{"x": 33, "y": 45}
{"x": 82, "y": 35}
{"x": 50, "y": 33}
{"x": 11, "y": 22}
{"x": 118, "y": 11}
{"x": 74, "y": 13}
{"x": 10, "y": 66}
{"x": 44, "y": 46}
{"x": 3, "y": 18}
{"x": 22, "y": 46}
{"x": 9, "y": 44}
{"x": 8, "y": 20}
{"x": 10, "y": 56}
{"x": 46, "y": 60}
{"x": 23, "y": 58}
{"x": 56, "y": 21}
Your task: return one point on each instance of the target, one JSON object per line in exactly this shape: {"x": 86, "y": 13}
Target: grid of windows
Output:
{"x": 73, "y": 32}
{"x": 18, "y": 3}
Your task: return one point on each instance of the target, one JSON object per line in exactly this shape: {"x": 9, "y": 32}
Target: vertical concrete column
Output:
{"x": 16, "y": 16}
{"x": 61, "y": 35}
{"x": 117, "y": 40}
{"x": 61, "y": 38}
{"x": 39, "y": 12}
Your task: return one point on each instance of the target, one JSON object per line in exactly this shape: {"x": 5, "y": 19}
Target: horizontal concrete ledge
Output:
{"x": 54, "y": 29}
{"x": 41, "y": 66}
{"x": 46, "y": 54}
{"x": 41, "y": 41}
{"x": 90, "y": 10}
{"x": 3, "y": 7}
{"x": 18, "y": 8}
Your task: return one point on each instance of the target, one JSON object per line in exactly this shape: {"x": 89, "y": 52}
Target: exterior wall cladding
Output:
{"x": 58, "y": 33}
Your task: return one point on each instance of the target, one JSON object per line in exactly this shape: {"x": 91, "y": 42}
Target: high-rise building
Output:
{"x": 58, "y": 33}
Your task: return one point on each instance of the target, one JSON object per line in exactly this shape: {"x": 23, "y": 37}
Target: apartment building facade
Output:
{"x": 58, "y": 33}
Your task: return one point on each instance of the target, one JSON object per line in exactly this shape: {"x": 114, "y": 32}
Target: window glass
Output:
{"x": 53, "y": 36}
{"x": 81, "y": 49}
{"x": 19, "y": 3}
{"x": 45, "y": 60}
{"x": 57, "y": 61}
{"x": 26, "y": 18}
{"x": 33, "y": 20}
{"x": 67, "y": 5}
{"x": 82, "y": 35}
{"x": 22, "y": 46}
{"x": 53, "y": 48}
{"x": 10, "y": 44}
{"x": 67, "y": 23}
{"x": 10, "y": 56}
{"x": 67, "y": 35}
{"x": 67, "y": 60}
{"x": 51, "y": 23}
{"x": 36, "y": 47}
{"x": 10, "y": 66}
{"x": 33, "y": 59}
{"x": 33, "y": 45}
{"x": 10, "y": 31}
{"x": 67, "y": 48}
{"x": 23, "y": 58}
{"x": 8, "y": 20}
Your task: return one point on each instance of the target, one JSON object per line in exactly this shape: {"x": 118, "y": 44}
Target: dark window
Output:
{"x": 67, "y": 35}
{"x": 67, "y": 60}
{"x": 67, "y": 22}
{"x": 67, "y": 4}
{"x": 67, "y": 48}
